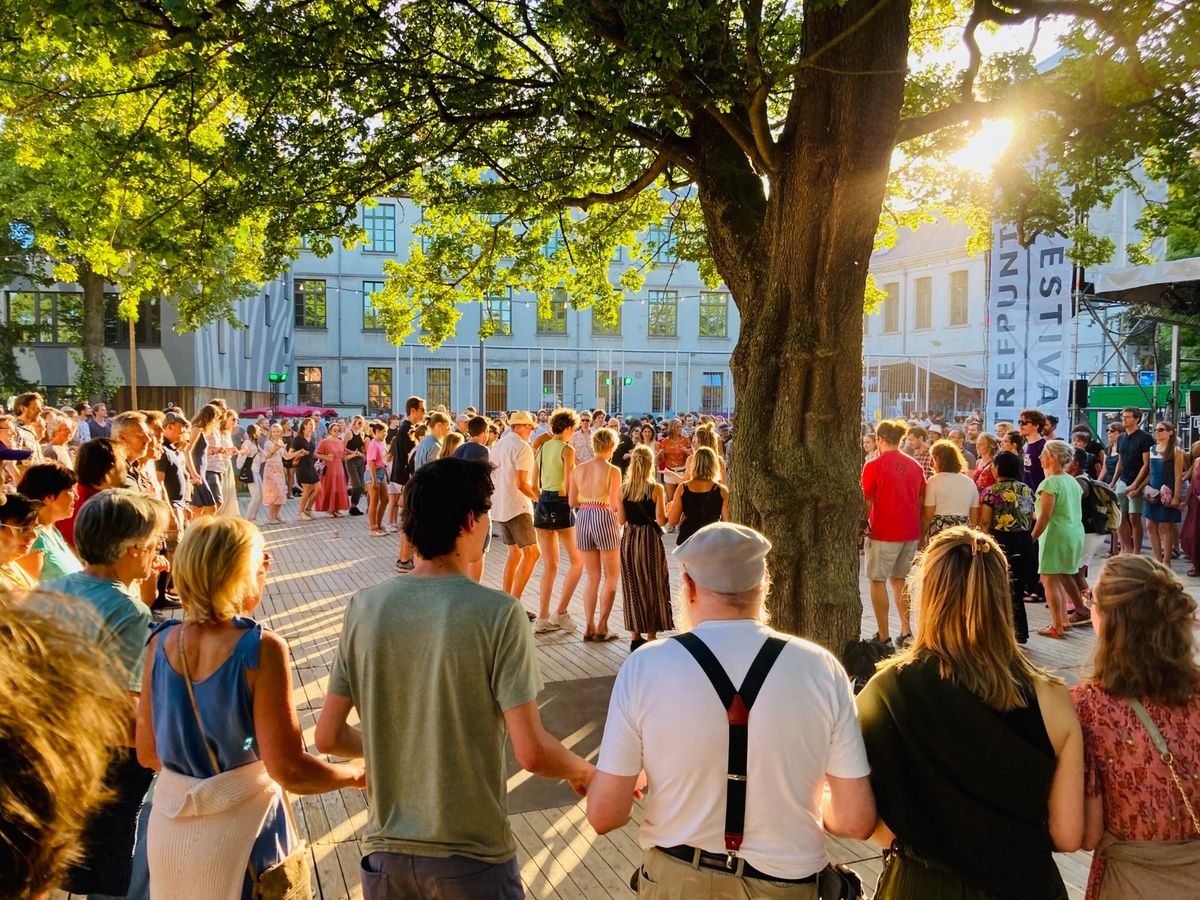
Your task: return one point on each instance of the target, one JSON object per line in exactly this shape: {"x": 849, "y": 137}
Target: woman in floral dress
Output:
{"x": 1139, "y": 817}
{"x": 274, "y": 476}
{"x": 1006, "y": 510}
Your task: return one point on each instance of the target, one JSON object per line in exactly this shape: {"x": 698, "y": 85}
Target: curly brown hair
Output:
{"x": 562, "y": 419}
{"x": 1146, "y": 640}
{"x": 947, "y": 456}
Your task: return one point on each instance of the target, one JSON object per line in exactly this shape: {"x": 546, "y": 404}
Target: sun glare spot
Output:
{"x": 985, "y": 147}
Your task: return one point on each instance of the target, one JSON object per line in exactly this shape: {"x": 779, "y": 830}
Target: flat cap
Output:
{"x": 725, "y": 557}
{"x": 174, "y": 418}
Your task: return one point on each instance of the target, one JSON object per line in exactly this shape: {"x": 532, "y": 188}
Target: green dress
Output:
{"x": 1060, "y": 547}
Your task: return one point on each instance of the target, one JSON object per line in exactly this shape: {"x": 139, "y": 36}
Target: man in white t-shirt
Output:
{"x": 667, "y": 719}
{"x": 512, "y": 501}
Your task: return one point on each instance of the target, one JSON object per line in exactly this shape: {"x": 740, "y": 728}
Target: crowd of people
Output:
{"x": 149, "y": 759}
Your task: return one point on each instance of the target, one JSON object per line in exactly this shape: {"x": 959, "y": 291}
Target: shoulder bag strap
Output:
{"x": 1164, "y": 752}
{"x": 212, "y": 757}
{"x": 737, "y": 703}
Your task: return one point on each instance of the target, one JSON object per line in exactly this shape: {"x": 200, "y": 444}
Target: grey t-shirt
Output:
{"x": 431, "y": 665}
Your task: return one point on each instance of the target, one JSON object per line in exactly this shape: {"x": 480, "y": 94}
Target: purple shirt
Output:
{"x": 1033, "y": 474}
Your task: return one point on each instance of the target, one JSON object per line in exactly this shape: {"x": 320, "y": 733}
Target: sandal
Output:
{"x": 1051, "y": 632}
{"x": 1193, "y": 573}
{"x": 601, "y": 637}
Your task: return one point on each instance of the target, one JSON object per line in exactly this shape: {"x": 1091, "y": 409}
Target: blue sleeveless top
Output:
{"x": 227, "y": 710}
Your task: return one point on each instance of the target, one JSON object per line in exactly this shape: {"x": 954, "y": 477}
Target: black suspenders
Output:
{"x": 738, "y": 703}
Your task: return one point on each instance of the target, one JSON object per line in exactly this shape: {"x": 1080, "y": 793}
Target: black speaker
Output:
{"x": 1193, "y": 403}
{"x": 1079, "y": 393}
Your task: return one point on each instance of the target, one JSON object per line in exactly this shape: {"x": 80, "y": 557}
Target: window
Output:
{"x": 712, "y": 392}
{"x": 663, "y": 314}
{"x": 660, "y": 392}
{"x": 958, "y": 298}
{"x": 608, "y": 391}
{"x": 309, "y": 301}
{"x": 370, "y": 313}
{"x": 309, "y": 386}
{"x": 148, "y": 330}
{"x": 556, "y": 323}
{"x": 497, "y": 309}
{"x": 600, "y": 327}
{"x": 552, "y": 387}
{"x": 379, "y": 222}
{"x": 891, "y": 308}
{"x": 661, "y": 242}
{"x": 714, "y": 314}
{"x": 437, "y": 388}
{"x": 379, "y": 389}
{"x": 923, "y": 317}
{"x": 47, "y": 317}
{"x": 495, "y": 396}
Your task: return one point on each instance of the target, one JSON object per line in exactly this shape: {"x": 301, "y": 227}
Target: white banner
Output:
{"x": 1029, "y": 333}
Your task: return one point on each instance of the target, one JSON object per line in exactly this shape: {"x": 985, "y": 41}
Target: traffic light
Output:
{"x": 277, "y": 377}
{"x": 628, "y": 380}
{"x": 607, "y": 381}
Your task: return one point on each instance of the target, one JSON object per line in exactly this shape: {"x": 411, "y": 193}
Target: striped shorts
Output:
{"x": 596, "y": 528}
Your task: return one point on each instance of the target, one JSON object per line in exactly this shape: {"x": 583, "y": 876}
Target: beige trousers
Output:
{"x": 666, "y": 878}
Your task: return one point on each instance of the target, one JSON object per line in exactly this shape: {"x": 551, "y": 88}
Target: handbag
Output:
{"x": 1164, "y": 753}
{"x": 288, "y": 879}
{"x": 838, "y": 882}
{"x": 1151, "y": 494}
{"x": 246, "y": 472}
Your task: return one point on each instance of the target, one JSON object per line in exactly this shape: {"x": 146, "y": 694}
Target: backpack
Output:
{"x": 860, "y": 659}
{"x": 1102, "y": 509}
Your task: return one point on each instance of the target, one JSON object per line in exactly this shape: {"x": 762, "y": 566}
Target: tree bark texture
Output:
{"x": 93, "y": 323}
{"x": 799, "y": 284}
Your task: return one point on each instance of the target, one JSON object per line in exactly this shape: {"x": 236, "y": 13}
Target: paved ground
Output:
{"x": 319, "y": 564}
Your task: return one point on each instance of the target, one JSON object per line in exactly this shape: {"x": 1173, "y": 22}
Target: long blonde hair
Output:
{"x": 961, "y": 582}
{"x": 639, "y": 477}
{"x": 451, "y": 443}
{"x": 706, "y": 465}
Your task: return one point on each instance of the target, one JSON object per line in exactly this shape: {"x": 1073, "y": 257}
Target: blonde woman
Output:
{"x": 595, "y": 493}
{"x": 706, "y": 436}
{"x": 216, "y": 720}
{"x": 554, "y": 520}
{"x": 450, "y": 443}
{"x": 1059, "y": 533}
{"x": 673, "y": 452}
{"x": 960, "y": 701}
{"x": 230, "y": 505}
{"x": 645, "y": 578}
{"x": 1139, "y": 819}
{"x": 274, "y": 474}
{"x": 702, "y": 499}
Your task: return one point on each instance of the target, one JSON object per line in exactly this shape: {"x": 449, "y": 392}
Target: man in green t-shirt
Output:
{"x": 439, "y": 669}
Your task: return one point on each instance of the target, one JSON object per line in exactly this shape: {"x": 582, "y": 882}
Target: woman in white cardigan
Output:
{"x": 216, "y": 719}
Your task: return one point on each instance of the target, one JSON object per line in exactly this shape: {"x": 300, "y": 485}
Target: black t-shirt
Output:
{"x": 1130, "y": 448}
{"x": 356, "y": 443}
{"x": 170, "y": 464}
{"x": 402, "y": 446}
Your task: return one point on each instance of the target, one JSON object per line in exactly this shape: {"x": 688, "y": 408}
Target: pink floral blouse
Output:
{"x": 1141, "y": 802}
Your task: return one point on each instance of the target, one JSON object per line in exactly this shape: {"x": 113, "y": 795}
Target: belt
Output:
{"x": 703, "y": 859}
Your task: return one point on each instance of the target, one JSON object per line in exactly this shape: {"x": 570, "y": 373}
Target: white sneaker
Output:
{"x": 542, "y": 626}
{"x": 565, "y": 622}
{"x": 392, "y": 529}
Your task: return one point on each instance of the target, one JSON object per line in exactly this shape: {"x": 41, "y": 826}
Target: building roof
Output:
{"x": 941, "y": 236}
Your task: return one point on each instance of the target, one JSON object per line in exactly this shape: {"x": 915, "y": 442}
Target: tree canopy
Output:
{"x": 774, "y": 142}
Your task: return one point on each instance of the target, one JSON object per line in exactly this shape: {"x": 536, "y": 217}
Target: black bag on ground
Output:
{"x": 860, "y": 659}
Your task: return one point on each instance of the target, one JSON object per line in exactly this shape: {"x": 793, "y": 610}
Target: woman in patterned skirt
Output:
{"x": 645, "y": 580}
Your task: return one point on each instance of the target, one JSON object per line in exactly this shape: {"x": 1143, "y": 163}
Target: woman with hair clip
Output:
{"x": 1140, "y": 811}
{"x": 645, "y": 578}
{"x": 1164, "y": 492}
{"x": 216, "y": 719}
{"x": 976, "y": 755}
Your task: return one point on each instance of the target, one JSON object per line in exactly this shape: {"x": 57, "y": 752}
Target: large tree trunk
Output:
{"x": 93, "y": 325}
{"x": 797, "y": 368}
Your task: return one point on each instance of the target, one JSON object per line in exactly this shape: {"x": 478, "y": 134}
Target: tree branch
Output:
{"x": 631, "y": 190}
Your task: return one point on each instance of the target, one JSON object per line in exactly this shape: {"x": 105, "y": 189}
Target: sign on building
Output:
{"x": 1029, "y": 318}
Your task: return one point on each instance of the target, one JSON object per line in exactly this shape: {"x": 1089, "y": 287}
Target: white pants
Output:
{"x": 255, "y": 503}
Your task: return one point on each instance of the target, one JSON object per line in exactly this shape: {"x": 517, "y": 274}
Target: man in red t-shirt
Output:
{"x": 894, "y": 489}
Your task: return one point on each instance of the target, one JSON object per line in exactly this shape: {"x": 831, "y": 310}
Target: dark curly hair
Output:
{"x": 562, "y": 419}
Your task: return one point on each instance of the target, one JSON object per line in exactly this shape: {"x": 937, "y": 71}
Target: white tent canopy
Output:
{"x": 1146, "y": 284}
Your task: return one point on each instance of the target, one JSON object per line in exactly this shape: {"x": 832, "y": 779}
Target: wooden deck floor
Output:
{"x": 319, "y": 564}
